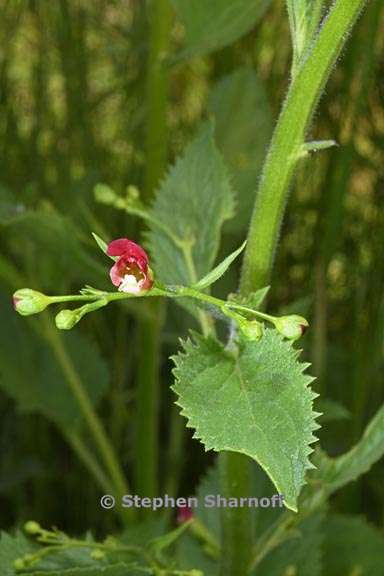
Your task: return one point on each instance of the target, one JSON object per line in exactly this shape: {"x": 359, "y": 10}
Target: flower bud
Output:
{"x": 19, "y": 564}
{"x": 251, "y": 330}
{"x": 104, "y": 194}
{"x": 29, "y": 559}
{"x": 184, "y": 514}
{"x": 32, "y": 527}
{"x": 291, "y": 327}
{"x": 97, "y": 554}
{"x": 27, "y": 301}
{"x": 67, "y": 319}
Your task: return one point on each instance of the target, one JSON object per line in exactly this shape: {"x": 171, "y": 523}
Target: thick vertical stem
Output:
{"x": 146, "y": 460}
{"x": 272, "y": 195}
{"x": 236, "y": 523}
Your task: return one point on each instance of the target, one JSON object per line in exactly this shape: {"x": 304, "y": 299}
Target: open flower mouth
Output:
{"x": 132, "y": 279}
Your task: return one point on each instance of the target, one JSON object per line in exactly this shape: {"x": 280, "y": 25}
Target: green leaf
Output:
{"x": 253, "y": 300}
{"x": 332, "y": 410}
{"x": 256, "y": 401}
{"x": 243, "y": 128}
{"x": 11, "y": 548}
{"x": 52, "y": 245}
{"x": 340, "y": 471}
{"x": 189, "y": 210}
{"x": 219, "y": 270}
{"x": 120, "y": 569}
{"x": 316, "y": 146}
{"x": 217, "y": 23}
{"x": 37, "y": 383}
{"x": 304, "y": 21}
{"x": 100, "y": 242}
{"x": 293, "y": 556}
{"x": 352, "y": 547}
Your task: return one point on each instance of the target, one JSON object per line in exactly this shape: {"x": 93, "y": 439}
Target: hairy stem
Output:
{"x": 287, "y": 141}
{"x": 285, "y": 150}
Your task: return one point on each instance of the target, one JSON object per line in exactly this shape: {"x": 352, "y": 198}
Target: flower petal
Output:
{"x": 115, "y": 274}
{"x": 128, "y": 249}
{"x": 118, "y": 247}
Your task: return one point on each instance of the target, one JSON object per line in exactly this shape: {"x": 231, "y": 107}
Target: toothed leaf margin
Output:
{"x": 255, "y": 400}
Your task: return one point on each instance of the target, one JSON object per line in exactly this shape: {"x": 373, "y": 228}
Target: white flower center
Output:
{"x": 130, "y": 284}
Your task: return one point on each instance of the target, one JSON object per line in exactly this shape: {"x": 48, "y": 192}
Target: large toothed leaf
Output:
{"x": 256, "y": 401}
{"x": 213, "y": 24}
{"x": 193, "y": 202}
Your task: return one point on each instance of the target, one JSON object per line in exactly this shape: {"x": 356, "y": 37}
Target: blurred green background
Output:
{"x": 73, "y": 113}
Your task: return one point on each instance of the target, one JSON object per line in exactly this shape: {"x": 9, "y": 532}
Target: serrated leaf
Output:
{"x": 219, "y": 270}
{"x": 37, "y": 383}
{"x": 352, "y": 547}
{"x": 243, "y": 128}
{"x": 304, "y": 20}
{"x": 193, "y": 202}
{"x": 217, "y": 23}
{"x": 257, "y": 403}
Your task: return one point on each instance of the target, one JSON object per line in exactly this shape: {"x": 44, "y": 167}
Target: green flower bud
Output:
{"x": 133, "y": 193}
{"x": 29, "y": 559}
{"x": 104, "y": 194}
{"x": 291, "y": 327}
{"x": 32, "y": 527}
{"x": 97, "y": 554}
{"x": 251, "y": 330}
{"x": 19, "y": 564}
{"x": 67, "y": 319}
{"x": 27, "y": 301}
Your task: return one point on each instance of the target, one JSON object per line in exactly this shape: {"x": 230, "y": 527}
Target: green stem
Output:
{"x": 146, "y": 442}
{"x": 91, "y": 418}
{"x": 88, "y": 459}
{"x": 271, "y": 199}
{"x": 287, "y": 141}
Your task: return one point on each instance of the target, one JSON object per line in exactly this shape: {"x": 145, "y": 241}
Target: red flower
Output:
{"x": 130, "y": 272}
{"x": 184, "y": 514}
